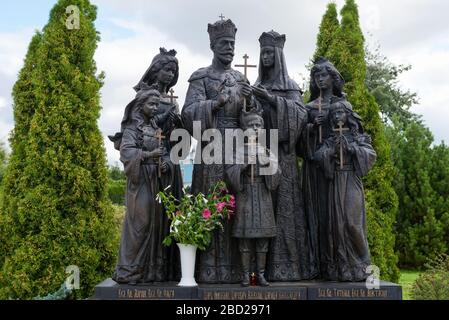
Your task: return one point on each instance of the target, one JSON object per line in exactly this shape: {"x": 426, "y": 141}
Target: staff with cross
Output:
{"x": 252, "y": 153}
{"x": 320, "y": 128}
{"x": 245, "y": 67}
{"x": 340, "y": 130}
{"x": 159, "y": 136}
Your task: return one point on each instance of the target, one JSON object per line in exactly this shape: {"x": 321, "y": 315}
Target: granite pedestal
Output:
{"x": 313, "y": 290}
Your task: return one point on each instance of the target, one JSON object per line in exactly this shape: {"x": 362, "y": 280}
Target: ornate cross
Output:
{"x": 245, "y": 67}
{"x": 159, "y": 136}
{"x": 171, "y": 96}
{"x": 222, "y": 17}
{"x": 340, "y": 130}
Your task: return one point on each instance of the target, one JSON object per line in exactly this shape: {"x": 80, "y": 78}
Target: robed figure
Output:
{"x": 290, "y": 257}
{"x": 163, "y": 74}
{"x": 326, "y": 85}
{"x": 148, "y": 169}
{"x": 345, "y": 157}
{"x": 214, "y": 101}
{"x": 254, "y": 222}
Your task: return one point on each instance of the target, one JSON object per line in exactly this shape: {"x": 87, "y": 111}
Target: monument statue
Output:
{"x": 148, "y": 168}
{"x": 291, "y": 257}
{"x": 326, "y": 83}
{"x": 345, "y": 157}
{"x": 144, "y": 150}
{"x": 254, "y": 222}
{"x": 215, "y": 99}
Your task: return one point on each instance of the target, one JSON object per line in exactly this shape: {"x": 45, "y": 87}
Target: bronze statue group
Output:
{"x": 303, "y": 222}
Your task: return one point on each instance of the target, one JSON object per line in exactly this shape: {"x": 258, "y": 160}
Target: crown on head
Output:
{"x": 164, "y": 52}
{"x": 221, "y": 29}
{"x": 272, "y": 39}
{"x": 246, "y": 116}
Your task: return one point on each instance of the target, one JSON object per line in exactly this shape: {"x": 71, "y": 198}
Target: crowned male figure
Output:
{"x": 214, "y": 100}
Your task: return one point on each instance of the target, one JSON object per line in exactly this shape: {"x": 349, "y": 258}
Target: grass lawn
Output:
{"x": 406, "y": 280}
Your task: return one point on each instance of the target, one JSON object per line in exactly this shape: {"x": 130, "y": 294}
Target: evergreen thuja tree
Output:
{"x": 328, "y": 32}
{"x": 347, "y": 52}
{"x": 64, "y": 217}
{"x": 24, "y": 106}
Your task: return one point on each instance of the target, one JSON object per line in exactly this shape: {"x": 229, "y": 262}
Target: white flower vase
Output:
{"x": 188, "y": 257}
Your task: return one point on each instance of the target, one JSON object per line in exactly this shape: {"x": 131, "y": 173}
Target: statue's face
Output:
{"x": 255, "y": 124}
{"x": 223, "y": 49}
{"x": 150, "y": 106}
{"x": 339, "y": 115}
{"x": 267, "y": 55}
{"x": 167, "y": 73}
{"x": 323, "y": 79}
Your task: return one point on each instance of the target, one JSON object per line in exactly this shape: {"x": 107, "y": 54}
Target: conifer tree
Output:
{"x": 328, "y": 31}
{"x": 24, "y": 106}
{"x": 347, "y": 52}
{"x": 63, "y": 216}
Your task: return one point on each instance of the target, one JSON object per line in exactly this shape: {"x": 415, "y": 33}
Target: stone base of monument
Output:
{"x": 314, "y": 290}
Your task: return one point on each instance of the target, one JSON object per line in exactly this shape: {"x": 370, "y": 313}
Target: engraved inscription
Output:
{"x": 351, "y": 293}
{"x": 252, "y": 295}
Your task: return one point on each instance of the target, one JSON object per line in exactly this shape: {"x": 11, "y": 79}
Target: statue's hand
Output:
{"x": 263, "y": 94}
{"x": 319, "y": 120}
{"x": 220, "y": 101}
{"x": 157, "y": 153}
{"x": 264, "y": 161}
{"x": 174, "y": 117}
{"x": 246, "y": 90}
{"x": 164, "y": 167}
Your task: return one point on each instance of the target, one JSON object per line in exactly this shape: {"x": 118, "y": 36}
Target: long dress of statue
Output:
{"x": 346, "y": 225}
{"x": 214, "y": 100}
{"x": 142, "y": 258}
{"x": 326, "y": 84}
{"x": 141, "y": 243}
{"x": 291, "y": 257}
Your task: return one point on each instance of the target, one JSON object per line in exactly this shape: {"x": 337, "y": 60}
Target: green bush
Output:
{"x": 56, "y": 212}
{"x": 117, "y": 185}
{"x": 434, "y": 283}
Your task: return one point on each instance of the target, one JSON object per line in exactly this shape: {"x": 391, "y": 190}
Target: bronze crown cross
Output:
{"x": 245, "y": 67}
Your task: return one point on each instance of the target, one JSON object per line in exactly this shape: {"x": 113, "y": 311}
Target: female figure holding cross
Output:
{"x": 148, "y": 169}
{"x": 326, "y": 84}
{"x": 163, "y": 74}
{"x": 345, "y": 157}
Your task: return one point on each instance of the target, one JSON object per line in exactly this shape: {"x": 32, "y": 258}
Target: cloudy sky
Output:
{"x": 412, "y": 32}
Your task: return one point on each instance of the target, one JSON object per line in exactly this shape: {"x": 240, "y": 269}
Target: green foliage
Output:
{"x": 3, "y": 161}
{"x": 382, "y": 82}
{"x": 328, "y": 31}
{"x": 56, "y": 212}
{"x": 421, "y": 169}
{"x": 406, "y": 281}
{"x": 434, "y": 283}
{"x": 116, "y": 185}
{"x": 421, "y": 173}
{"x": 195, "y": 217}
{"x": 346, "y": 51}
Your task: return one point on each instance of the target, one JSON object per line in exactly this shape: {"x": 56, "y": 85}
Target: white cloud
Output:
{"x": 125, "y": 60}
{"x": 409, "y": 31}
